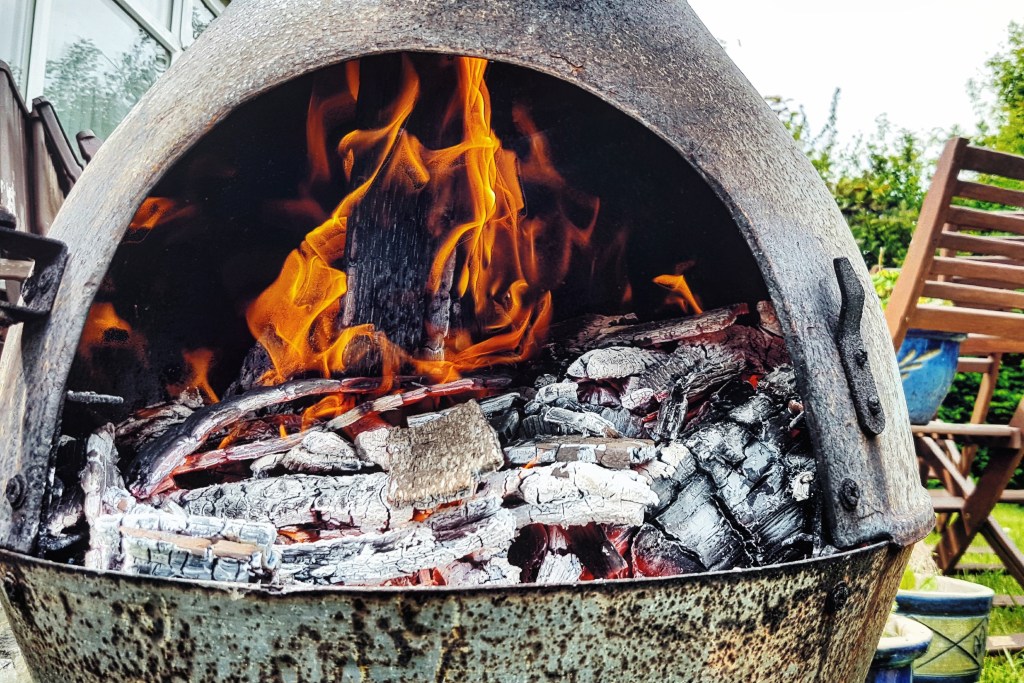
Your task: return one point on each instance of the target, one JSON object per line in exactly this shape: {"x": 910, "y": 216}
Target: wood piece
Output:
{"x": 371, "y": 559}
{"x": 655, "y": 554}
{"x": 670, "y": 332}
{"x": 1009, "y": 643}
{"x": 559, "y": 568}
{"x": 243, "y": 452}
{"x": 613, "y": 362}
{"x": 356, "y": 501}
{"x": 157, "y": 459}
{"x": 579, "y": 422}
{"x": 988, "y": 246}
{"x": 195, "y": 547}
{"x": 317, "y": 453}
{"x": 616, "y": 454}
{"x": 575, "y": 494}
{"x": 496, "y": 571}
{"x": 442, "y": 461}
{"x": 145, "y": 425}
{"x": 401, "y": 400}
{"x": 99, "y": 474}
{"x": 372, "y": 446}
{"x": 1009, "y": 436}
{"x": 963, "y": 267}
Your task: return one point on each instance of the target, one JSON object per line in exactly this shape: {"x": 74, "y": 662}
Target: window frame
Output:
{"x": 174, "y": 39}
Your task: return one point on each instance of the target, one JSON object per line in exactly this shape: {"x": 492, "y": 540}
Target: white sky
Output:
{"x": 909, "y": 59}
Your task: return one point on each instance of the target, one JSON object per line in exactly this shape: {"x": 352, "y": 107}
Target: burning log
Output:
{"x": 396, "y": 401}
{"x": 157, "y": 459}
{"x": 355, "y": 501}
{"x": 599, "y": 556}
{"x": 99, "y": 474}
{"x": 575, "y": 494}
{"x": 496, "y": 571}
{"x": 442, "y": 460}
{"x": 244, "y": 452}
{"x": 616, "y": 454}
{"x": 148, "y": 424}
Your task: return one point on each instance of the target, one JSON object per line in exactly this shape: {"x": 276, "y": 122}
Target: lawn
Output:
{"x": 1002, "y": 668}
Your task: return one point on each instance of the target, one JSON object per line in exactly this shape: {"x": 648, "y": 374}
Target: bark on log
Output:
{"x": 356, "y": 501}
{"x": 317, "y": 453}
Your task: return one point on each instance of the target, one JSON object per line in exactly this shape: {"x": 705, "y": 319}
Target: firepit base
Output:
{"x": 806, "y": 621}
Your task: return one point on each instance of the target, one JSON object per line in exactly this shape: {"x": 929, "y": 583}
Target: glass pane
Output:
{"x": 158, "y": 10}
{"x": 201, "y": 17}
{"x": 15, "y": 29}
{"x": 99, "y": 62}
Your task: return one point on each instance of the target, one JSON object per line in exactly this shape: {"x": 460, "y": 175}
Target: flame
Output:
{"x": 199, "y": 362}
{"x": 680, "y": 293}
{"x": 490, "y": 252}
{"x": 105, "y": 328}
{"x": 157, "y": 210}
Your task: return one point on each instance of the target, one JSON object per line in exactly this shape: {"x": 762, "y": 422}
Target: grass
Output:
{"x": 1002, "y": 668}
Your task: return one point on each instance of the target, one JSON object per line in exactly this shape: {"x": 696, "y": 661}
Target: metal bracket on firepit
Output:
{"x": 38, "y": 263}
{"x": 854, "y": 354}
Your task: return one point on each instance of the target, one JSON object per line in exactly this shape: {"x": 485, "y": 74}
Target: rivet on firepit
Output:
{"x": 875, "y": 405}
{"x": 837, "y": 597}
{"x": 16, "y": 491}
{"x": 849, "y": 495}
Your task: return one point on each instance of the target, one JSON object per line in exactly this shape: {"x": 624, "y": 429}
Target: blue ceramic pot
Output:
{"x": 927, "y": 363}
{"x": 957, "y": 613}
{"x": 902, "y": 642}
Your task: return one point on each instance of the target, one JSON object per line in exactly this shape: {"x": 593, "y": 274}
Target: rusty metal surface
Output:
{"x": 817, "y": 620}
{"x": 652, "y": 59}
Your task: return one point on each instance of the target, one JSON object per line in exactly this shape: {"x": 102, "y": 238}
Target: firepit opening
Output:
{"x": 418, "y": 320}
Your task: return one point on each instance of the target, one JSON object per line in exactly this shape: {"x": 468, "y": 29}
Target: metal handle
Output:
{"x": 38, "y": 262}
{"x": 853, "y": 354}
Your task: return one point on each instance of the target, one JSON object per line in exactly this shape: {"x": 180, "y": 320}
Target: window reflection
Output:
{"x": 99, "y": 62}
{"x": 157, "y": 10}
{"x": 15, "y": 30}
{"x": 201, "y": 17}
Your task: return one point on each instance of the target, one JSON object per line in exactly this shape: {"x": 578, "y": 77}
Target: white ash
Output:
{"x": 372, "y": 559}
{"x": 356, "y": 501}
{"x": 614, "y": 363}
{"x": 585, "y": 423}
{"x": 611, "y": 453}
{"x": 559, "y": 568}
{"x": 372, "y": 446}
{"x": 496, "y": 571}
{"x": 575, "y": 494}
{"x": 552, "y": 394}
{"x": 319, "y": 453}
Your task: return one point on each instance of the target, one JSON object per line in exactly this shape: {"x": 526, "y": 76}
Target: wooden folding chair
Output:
{"x": 972, "y": 259}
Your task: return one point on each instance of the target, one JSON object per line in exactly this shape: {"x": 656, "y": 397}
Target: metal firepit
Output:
{"x": 812, "y": 620}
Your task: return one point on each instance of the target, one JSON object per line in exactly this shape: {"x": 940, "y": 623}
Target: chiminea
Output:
{"x": 468, "y": 341}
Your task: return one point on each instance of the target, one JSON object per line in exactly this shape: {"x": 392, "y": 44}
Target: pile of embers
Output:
{"x": 632, "y": 450}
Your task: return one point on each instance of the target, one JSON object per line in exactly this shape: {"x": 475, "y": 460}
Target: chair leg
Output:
{"x": 977, "y": 507}
{"x": 1010, "y": 555}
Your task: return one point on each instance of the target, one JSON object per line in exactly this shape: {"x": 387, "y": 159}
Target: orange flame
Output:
{"x": 489, "y": 249}
{"x": 105, "y": 328}
{"x": 680, "y": 293}
{"x": 157, "y": 210}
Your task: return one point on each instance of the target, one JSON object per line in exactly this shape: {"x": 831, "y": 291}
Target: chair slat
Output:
{"x": 988, "y": 246}
{"x": 985, "y": 220}
{"x": 971, "y": 294}
{"x": 968, "y": 320}
{"x": 980, "y": 270}
{"x": 993, "y": 162}
{"x": 983, "y": 344}
{"x": 989, "y": 193}
{"x": 15, "y": 270}
{"x": 969, "y": 364}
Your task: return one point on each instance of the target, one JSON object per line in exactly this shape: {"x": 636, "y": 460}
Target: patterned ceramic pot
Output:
{"x": 902, "y": 642}
{"x": 927, "y": 363}
{"x": 957, "y": 613}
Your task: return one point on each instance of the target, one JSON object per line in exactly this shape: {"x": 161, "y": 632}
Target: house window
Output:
{"x": 94, "y": 59}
